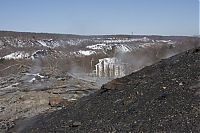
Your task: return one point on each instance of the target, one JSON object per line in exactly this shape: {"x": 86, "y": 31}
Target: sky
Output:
{"x": 97, "y": 17}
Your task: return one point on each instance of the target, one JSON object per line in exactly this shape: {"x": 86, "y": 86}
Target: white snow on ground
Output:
{"x": 32, "y": 80}
{"x": 166, "y": 41}
{"x": 10, "y": 87}
{"x": 123, "y": 48}
{"x": 34, "y": 77}
{"x": 85, "y": 52}
{"x": 145, "y": 45}
{"x": 17, "y": 55}
{"x": 55, "y": 44}
{"x": 74, "y": 41}
{"x": 144, "y": 39}
{"x": 120, "y": 47}
{"x": 39, "y": 53}
{"x": 42, "y": 43}
{"x": 96, "y": 46}
{"x": 37, "y": 74}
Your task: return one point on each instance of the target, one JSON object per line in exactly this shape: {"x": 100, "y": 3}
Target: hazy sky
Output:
{"x": 163, "y": 17}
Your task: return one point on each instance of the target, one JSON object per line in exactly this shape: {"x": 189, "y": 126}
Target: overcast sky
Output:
{"x": 160, "y": 17}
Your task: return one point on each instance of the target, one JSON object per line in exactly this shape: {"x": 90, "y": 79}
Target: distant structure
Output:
{"x": 91, "y": 63}
{"x": 110, "y": 67}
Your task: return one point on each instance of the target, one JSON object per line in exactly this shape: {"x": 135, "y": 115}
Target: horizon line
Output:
{"x": 118, "y": 34}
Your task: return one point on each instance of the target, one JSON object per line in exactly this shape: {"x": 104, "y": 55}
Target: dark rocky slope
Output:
{"x": 164, "y": 97}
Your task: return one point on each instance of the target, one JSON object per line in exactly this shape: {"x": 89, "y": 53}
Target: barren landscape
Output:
{"x": 163, "y": 97}
{"x": 99, "y": 66}
{"x": 43, "y": 73}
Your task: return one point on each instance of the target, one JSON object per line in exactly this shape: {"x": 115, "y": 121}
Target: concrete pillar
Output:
{"x": 102, "y": 69}
{"x": 97, "y": 71}
{"x": 108, "y": 70}
{"x": 113, "y": 70}
{"x": 91, "y": 64}
{"x": 118, "y": 70}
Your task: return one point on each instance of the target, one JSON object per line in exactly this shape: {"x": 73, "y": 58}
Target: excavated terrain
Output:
{"x": 26, "y": 95}
{"x": 164, "y": 97}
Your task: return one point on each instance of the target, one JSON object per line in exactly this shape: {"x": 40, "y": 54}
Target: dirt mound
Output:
{"x": 164, "y": 97}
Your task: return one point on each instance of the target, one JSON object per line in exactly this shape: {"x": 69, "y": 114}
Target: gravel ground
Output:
{"x": 164, "y": 97}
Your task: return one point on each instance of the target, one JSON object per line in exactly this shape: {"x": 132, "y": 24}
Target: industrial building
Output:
{"x": 110, "y": 67}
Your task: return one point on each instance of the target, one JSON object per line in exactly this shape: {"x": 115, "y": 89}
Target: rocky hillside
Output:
{"x": 21, "y": 48}
{"x": 163, "y": 97}
{"x": 22, "y": 45}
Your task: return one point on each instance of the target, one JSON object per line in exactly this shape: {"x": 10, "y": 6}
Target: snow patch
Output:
{"x": 37, "y": 74}
{"x": 123, "y": 48}
{"x": 96, "y": 46}
{"x": 85, "y": 52}
{"x": 39, "y": 53}
{"x": 165, "y": 41}
{"x": 126, "y": 40}
{"x": 17, "y": 55}
{"x": 42, "y": 43}
{"x": 120, "y": 47}
{"x": 33, "y": 79}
